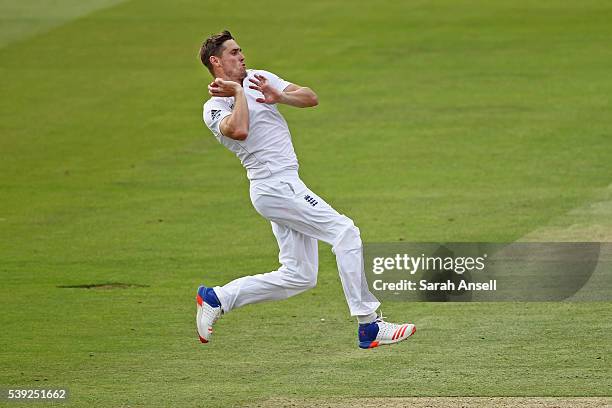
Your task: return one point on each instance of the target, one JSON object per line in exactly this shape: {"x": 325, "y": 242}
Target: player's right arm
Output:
{"x": 235, "y": 125}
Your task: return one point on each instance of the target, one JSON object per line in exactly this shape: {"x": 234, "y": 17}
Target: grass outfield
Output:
{"x": 438, "y": 121}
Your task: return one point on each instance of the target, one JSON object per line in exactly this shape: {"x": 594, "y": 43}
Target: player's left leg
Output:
{"x": 299, "y": 259}
{"x": 298, "y": 256}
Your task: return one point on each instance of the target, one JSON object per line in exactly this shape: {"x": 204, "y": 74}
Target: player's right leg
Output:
{"x": 379, "y": 333}
{"x": 290, "y": 202}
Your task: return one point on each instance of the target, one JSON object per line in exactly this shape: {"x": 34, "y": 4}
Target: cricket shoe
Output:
{"x": 209, "y": 311}
{"x": 380, "y": 332}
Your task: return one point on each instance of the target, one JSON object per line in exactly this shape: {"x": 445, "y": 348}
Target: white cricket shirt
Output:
{"x": 268, "y": 148}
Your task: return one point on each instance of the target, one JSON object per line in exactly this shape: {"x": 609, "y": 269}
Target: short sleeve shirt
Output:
{"x": 268, "y": 148}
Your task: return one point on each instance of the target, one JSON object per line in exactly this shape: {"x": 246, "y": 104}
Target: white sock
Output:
{"x": 365, "y": 319}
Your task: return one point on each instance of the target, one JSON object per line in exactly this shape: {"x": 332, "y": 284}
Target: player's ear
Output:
{"x": 215, "y": 61}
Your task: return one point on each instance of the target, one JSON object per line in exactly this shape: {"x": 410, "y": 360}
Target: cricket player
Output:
{"x": 242, "y": 114}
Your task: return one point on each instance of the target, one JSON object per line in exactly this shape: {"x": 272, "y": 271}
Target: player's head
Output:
{"x": 223, "y": 56}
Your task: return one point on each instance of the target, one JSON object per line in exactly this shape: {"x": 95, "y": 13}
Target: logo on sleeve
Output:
{"x": 214, "y": 114}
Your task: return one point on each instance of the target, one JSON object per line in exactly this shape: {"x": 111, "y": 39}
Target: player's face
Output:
{"x": 232, "y": 61}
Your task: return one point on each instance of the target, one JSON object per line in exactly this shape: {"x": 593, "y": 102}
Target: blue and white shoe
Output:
{"x": 380, "y": 332}
{"x": 208, "y": 312}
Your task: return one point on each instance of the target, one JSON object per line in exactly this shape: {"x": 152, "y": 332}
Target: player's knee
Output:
{"x": 308, "y": 274}
{"x": 309, "y": 283}
{"x": 349, "y": 239}
{"x": 301, "y": 275}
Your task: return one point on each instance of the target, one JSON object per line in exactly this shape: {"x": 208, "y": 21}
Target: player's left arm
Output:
{"x": 293, "y": 95}
{"x": 300, "y": 96}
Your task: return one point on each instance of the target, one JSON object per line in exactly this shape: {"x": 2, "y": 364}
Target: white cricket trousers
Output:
{"x": 299, "y": 219}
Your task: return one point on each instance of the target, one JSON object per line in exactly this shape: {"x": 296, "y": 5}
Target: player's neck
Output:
{"x": 226, "y": 77}
{"x": 238, "y": 79}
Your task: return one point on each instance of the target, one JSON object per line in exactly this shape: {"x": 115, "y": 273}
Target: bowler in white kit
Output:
{"x": 243, "y": 116}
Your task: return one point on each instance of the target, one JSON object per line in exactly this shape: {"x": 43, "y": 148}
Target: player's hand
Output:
{"x": 261, "y": 84}
{"x": 222, "y": 88}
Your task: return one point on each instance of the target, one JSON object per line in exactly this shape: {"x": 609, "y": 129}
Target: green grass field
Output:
{"x": 438, "y": 121}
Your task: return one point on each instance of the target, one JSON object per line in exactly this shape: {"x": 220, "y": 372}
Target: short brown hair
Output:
{"x": 213, "y": 46}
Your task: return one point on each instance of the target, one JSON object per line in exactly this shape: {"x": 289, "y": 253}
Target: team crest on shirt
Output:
{"x": 214, "y": 114}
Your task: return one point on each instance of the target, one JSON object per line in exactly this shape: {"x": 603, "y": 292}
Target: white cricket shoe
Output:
{"x": 380, "y": 332}
{"x": 208, "y": 312}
